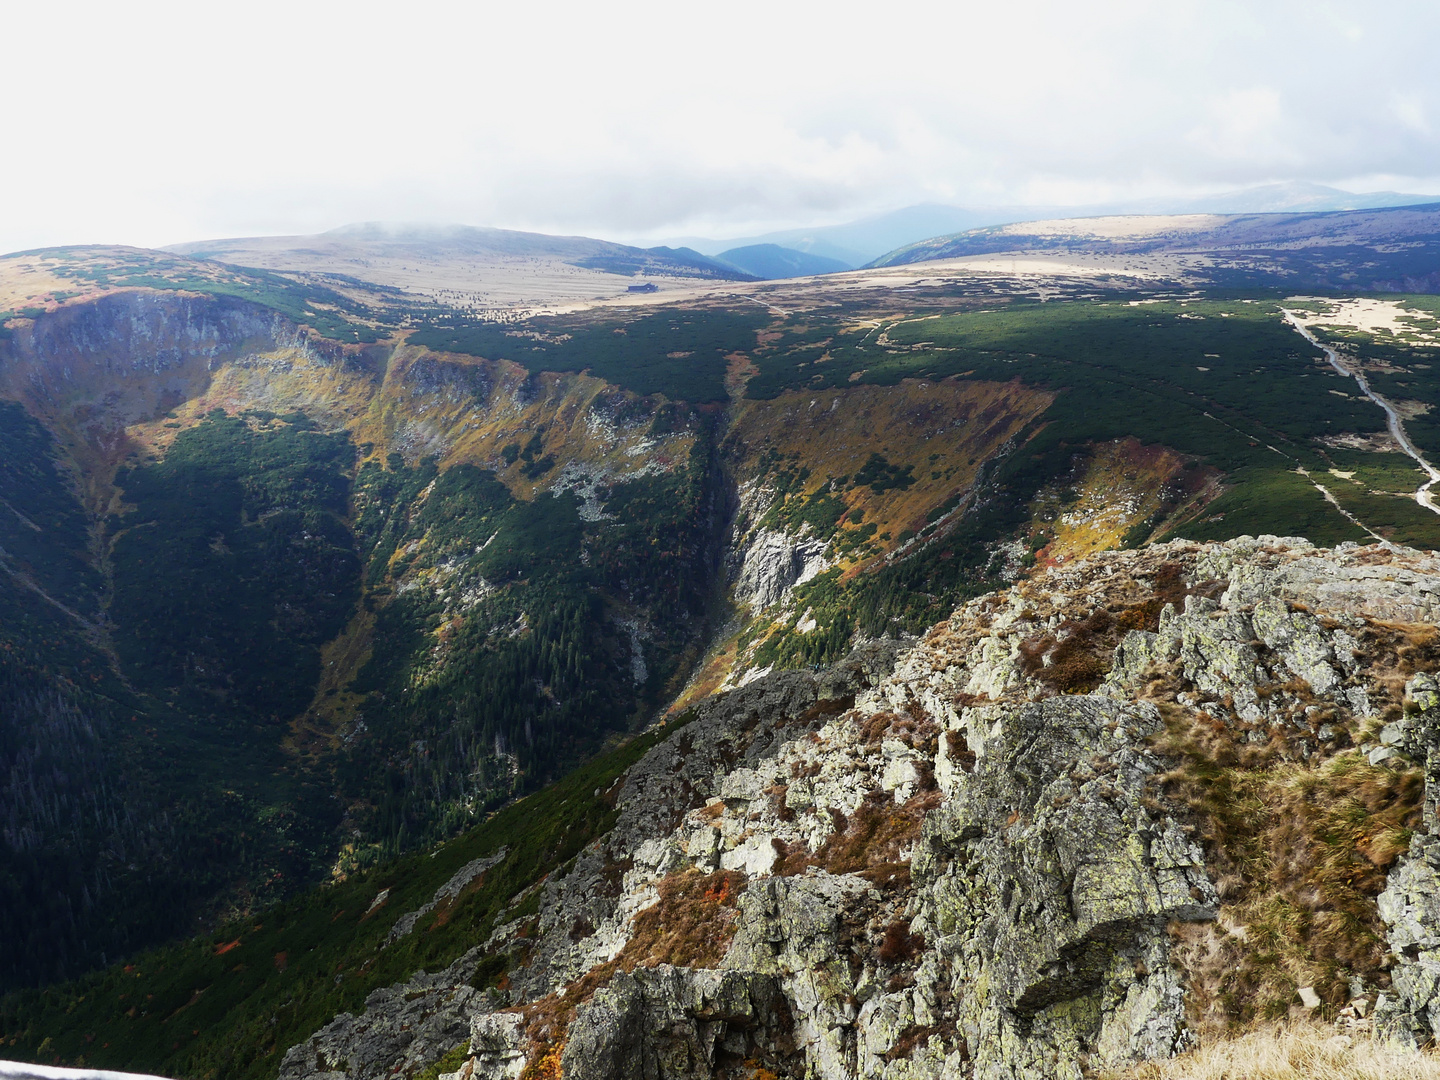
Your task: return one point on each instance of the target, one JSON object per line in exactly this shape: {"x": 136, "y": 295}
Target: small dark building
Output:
{"x": 648, "y": 286}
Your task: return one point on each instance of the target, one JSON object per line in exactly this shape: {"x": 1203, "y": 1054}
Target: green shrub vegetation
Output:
{"x": 680, "y": 354}
{"x": 228, "y": 1005}
{"x": 126, "y": 817}
{"x": 498, "y": 639}
{"x": 235, "y": 565}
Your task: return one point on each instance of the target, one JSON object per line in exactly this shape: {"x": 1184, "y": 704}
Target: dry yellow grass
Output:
{"x": 943, "y": 429}
{"x": 1121, "y": 483}
{"x": 1295, "y": 1051}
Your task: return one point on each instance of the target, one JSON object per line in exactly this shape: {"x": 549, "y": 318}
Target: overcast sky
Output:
{"x": 149, "y": 122}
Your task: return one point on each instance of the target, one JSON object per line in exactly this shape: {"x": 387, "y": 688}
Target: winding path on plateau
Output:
{"x": 1423, "y": 495}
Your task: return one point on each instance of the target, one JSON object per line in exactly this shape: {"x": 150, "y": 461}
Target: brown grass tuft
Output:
{"x": 958, "y": 750}
{"x": 870, "y": 841}
{"x": 1070, "y": 661}
{"x": 689, "y": 925}
{"x": 1298, "y": 853}
{"x": 1295, "y": 1051}
{"x": 1076, "y": 657}
{"x": 910, "y": 1040}
{"x": 915, "y": 729}
{"x": 899, "y": 944}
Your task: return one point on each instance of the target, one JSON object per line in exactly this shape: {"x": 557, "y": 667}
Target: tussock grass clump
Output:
{"x": 1069, "y": 661}
{"x": 873, "y": 842}
{"x": 1298, "y": 852}
{"x": 899, "y": 945}
{"x": 1075, "y": 658}
{"x": 690, "y": 925}
{"x": 1295, "y": 1051}
{"x": 1393, "y": 653}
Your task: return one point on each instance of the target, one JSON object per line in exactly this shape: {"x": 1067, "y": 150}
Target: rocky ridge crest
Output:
{"x": 1051, "y": 836}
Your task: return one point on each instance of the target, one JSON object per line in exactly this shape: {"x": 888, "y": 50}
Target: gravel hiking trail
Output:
{"x": 1423, "y": 495}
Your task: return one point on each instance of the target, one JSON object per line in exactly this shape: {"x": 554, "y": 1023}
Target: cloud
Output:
{"x": 154, "y": 122}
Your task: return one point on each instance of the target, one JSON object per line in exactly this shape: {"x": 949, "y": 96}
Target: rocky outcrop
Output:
{"x": 1048, "y": 884}
{"x": 669, "y": 1023}
{"x": 402, "y": 1029}
{"x": 459, "y": 881}
{"x": 613, "y": 879}
{"x": 963, "y": 857}
{"x": 774, "y": 563}
{"x": 1410, "y": 906}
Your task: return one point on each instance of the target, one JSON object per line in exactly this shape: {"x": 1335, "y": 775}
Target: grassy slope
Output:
{"x": 91, "y": 270}
{"x": 678, "y": 353}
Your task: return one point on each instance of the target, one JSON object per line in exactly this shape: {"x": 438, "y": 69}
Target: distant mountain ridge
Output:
{"x": 1386, "y": 249}
{"x": 772, "y": 261}
{"x": 866, "y": 239}
{"x": 385, "y": 253}
{"x": 455, "y": 258}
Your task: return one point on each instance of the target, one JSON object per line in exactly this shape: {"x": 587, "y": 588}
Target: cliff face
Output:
{"x": 1077, "y": 825}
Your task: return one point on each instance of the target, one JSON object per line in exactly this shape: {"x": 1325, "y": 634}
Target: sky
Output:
{"x": 151, "y": 122}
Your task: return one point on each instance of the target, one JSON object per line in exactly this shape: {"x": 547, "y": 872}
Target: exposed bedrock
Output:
{"x": 962, "y": 858}
{"x": 1410, "y": 905}
{"x": 774, "y": 563}
{"x": 669, "y": 1023}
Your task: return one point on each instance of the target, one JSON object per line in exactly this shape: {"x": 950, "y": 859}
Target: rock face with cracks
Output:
{"x": 963, "y": 856}
{"x": 1410, "y": 905}
{"x": 1047, "y": 884}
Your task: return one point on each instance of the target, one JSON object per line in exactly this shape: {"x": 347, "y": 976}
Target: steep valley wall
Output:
{"x": 841, "y": 479}
{"x": 441, "y": 511}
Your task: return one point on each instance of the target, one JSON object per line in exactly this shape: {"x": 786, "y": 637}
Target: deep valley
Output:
{"x": 391, "y": 686}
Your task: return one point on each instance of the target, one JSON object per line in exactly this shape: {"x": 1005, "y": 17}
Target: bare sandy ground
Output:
{"x": 1380, "y": 317}
{"x": 476, "y": 269}
{"x": 478, "y": 283}
{"x": 1119, "y": 227}
{"x": 1037, "y": 273}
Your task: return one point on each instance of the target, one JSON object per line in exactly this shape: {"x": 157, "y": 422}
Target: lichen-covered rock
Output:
{"x": 1299, "y": 640}
{"x": 402, "y": 1029}
{"x": 1047, "y": 885}
{"x": 614, "y": 878}
{"x": 795, "y": 929}
{"x": 1351, "y": 580}
{"x": 1410, "y": 905}
{"x": 499, "y": 1047}
{"x": 669, "y": 1023}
